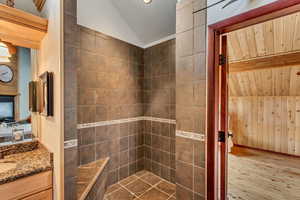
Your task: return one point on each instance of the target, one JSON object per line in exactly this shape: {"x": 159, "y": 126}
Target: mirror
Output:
{"x": 15, "y": 76}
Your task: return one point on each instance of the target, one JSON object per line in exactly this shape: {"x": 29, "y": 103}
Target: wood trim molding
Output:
{"x": 22, "y": 18}
{"x": 270, "y": 11}
{"x": 285, "y": 60}
{"x": 212, "y": 117}
{"x": 268, "y": 151}
{"x": 21, "y": 28}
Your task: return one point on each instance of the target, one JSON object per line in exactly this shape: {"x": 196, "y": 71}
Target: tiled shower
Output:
{"x": 142, "y": 108}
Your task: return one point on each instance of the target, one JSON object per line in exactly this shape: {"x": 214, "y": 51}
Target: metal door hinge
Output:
{"x": 222, "y": 59}
{"x": 222, "y": 136}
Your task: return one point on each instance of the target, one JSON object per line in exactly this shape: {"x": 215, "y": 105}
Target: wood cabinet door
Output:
{"x": 44, "y": 195}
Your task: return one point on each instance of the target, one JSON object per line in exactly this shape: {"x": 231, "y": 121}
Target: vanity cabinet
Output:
{"x": 35, "y": 187}
{"x": 44, "y": 195}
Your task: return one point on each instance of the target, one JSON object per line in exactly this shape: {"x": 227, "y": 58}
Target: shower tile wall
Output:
{"x": 107, "y": 79}
{"x": 190, "y": 99}
{"x": 159, "y": 102}
{"x": 71, "y": 48}
{"x": 110, "y": 75}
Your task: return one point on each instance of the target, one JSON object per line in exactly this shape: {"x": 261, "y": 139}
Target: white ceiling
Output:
{"x": 150, "y": 22}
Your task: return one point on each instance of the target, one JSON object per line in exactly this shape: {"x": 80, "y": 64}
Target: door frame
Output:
{"x": 268, "y": 12}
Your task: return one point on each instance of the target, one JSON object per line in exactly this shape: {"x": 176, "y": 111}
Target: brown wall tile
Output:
{"x": 183, "y": 193}
{"x": 184, "y": 174}
{"x": 191, "y": 100}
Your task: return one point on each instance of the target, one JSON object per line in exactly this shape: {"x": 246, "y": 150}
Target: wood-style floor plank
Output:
{"x": 259, "y": 175}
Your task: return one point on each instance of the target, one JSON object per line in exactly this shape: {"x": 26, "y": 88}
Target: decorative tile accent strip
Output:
{"x": 70, "y": 143}
{"x": 126, "y": 120}
{"x": 191, "y": 135}
{"x": 170, "y": 121}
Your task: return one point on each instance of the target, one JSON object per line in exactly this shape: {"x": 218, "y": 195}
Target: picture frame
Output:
{"x": 46, "y": 97}
{"x": 33, "y": 96}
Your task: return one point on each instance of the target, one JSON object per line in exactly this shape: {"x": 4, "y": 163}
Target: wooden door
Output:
{"x": 223, "y": 118}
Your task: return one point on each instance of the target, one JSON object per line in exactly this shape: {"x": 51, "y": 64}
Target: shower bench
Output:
{"x": 91, "y": 179}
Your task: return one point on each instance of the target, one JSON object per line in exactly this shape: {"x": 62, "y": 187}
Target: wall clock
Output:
{"x": 6, "y": 74}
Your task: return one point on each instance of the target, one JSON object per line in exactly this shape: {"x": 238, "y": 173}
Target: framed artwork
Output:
{"x": 46, "y": 100}
{"x": 33, "y": 96}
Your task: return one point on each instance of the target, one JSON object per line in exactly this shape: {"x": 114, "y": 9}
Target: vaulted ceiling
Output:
{"x": 150, "y": 22}
{"x": 272, "y": 38}
{"x": 283, "y": 81}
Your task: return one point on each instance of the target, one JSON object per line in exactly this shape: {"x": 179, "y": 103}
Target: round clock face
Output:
{"x": 6, "y": 74}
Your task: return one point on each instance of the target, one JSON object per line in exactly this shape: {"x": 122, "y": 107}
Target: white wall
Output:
{"x": 106, "y": 20}
{"x": 216, "y": 13}
{"x": 24, "y": 77}
{"x": 49, "y": 58}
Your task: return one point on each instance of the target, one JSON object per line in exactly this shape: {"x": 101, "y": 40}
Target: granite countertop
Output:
{"x": 24, "y": 160}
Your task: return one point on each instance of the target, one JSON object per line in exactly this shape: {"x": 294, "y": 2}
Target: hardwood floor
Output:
{"x": 259, "y": 175}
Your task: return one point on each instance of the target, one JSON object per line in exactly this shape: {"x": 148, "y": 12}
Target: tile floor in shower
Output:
{"x": 143, "y": 185}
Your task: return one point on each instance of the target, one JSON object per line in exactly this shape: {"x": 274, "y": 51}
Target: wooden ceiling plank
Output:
{"x": 296, "y": 40}
{"x": 253, "y": 83}
{"x": 286, "y": 78}
{"x": 258, "y": 81}
{"x": 259, "y": 38}
{"x": 235, "y": 85}
{"x": 251, "y": 42}
{"x": 250, "y": 88}
{"x": 241, "y": 84}
{"x": 277, "y": 82}
{"x": 278, "y": 35}
{"x": 268, "y": 84}
{"x": 232, "y": 91}
{"x": 297, "y": 149}
{"x": 295, "y": 81}
{"x": 269, "y": 37}
{"x": 289, "y": 29}
{"x": 291, "y": 106}
{"x": 242, "y": 38}
{"x": 237, "y": 51}
{"x": 231, "y": 55}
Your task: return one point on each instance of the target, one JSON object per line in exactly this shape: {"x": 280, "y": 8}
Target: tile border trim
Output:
{"x": 191, "y": 135}
{"x": 185, "y": 134}
{"x": 154, "y": 119}
{"x": 70, "y": 143}
{"x": 125, "y": 120}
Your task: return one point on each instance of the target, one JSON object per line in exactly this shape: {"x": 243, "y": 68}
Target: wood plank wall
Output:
{"x": 270, "y": 123}
{"x": 264, "y": 109}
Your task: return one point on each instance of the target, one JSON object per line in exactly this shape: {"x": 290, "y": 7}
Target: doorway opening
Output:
{"x": 264, "y": 110}
{"x": 223, "y": 118}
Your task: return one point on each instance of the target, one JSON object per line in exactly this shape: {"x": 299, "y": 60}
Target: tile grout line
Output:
{"x": 152, "y": 186}
{"x": 138, "y": 178}
{"x": 155, "y": 185}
